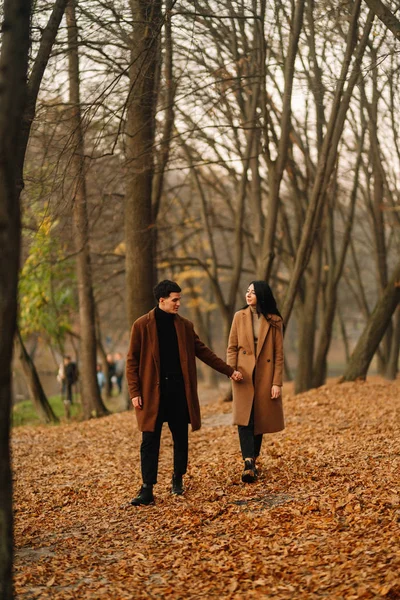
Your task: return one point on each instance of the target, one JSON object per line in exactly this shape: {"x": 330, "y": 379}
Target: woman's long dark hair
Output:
{"x": 266, "y": 303}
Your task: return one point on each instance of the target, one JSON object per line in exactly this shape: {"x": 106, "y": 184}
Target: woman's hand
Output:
{"x": 275, "y": 391}
{"x": 236, "y": 376}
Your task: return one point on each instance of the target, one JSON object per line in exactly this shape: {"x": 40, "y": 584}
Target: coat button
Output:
{"x": 244, "y": 351}
{"x": 268, "y": 360}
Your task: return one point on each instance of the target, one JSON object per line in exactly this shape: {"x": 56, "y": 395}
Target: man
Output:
{"x": 70, "y": 377}
{"x": 162, "y": 382}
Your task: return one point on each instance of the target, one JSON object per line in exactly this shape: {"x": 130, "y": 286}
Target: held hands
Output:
{"x": 137, "y": 402}
{"x": 275, "y": 391}
{"x": 236, "y": 376}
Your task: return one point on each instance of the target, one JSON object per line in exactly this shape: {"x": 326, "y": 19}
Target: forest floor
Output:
{"x": 323, "y": 520}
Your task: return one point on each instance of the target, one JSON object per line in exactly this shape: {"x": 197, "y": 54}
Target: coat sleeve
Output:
{"x": 278, "y": 355}
{"x": 232, "y": 350}
{"x": 212, "y": 360}
{"x": 132, "y": 362}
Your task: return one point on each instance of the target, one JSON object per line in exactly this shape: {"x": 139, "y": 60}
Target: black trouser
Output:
{"x": 173, "y": 409}
{"x": 67, "y": 388}
{"x": 250, "y": 444}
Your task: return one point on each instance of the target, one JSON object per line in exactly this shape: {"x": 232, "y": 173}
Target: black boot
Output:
{"x": 249, "y": 474}
{"x": 145, "y": 495}
{"x": 177, "y": 485}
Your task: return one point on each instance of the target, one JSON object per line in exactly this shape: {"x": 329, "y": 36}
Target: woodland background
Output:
{"x": 207, "y": 142}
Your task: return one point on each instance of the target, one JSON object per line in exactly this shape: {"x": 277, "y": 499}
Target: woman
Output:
{"x": 255, "y": 348}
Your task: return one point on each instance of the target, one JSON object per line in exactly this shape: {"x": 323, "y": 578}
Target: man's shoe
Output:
{"x": 249, "y": 474}
{"x": 145, "y": 496}
{"x": 177, "y": 485}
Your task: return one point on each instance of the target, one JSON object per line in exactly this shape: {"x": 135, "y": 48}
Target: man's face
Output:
{"x": 171, "y": 304}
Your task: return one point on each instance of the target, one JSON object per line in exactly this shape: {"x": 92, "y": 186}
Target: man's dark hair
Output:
{"x": 165, "y": 288}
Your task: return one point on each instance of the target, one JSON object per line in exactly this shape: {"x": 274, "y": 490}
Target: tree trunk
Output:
{"x": 140, "y": 131}
{"x": 13, "y": 72}
{"x": 320, "y": 365}
{"x": 169, "y": 88}
{"x": 393, "y": 363}
{"x": 277, "y": 168}
{"x": 334, "y": 275}
{"x": 385, "y": 15}
{"x": 39, "y": 398}
{"x": 374, "y": 330}
{"x": 328, "y": 155}
{"x": 377, "y": 201}
{"x": 92, "y": 402}
{"x": 286, "y": 370}
{"x": 307, "y": 325}
{"x": 202, "y": 326}
{"x": 344, "y": 336}
{"x": 169, "y": 115}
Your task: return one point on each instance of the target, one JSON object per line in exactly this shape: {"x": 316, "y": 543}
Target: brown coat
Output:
{"x": 143, "y": 367}
{"x": 268, "y": 412}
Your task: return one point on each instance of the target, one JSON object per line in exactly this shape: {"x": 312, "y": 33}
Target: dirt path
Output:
{"x": 321, "y": 522}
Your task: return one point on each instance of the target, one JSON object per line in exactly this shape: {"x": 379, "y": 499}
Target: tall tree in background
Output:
{"x": 385, "y": 15}
{"x": 375, "y": 329}
{"x": 139, "y": 141}
{"x": 277, "y": 166}
{"x": 90, "y": 394}
{"x": 13, "y": 87}
{"x": 328, "y": 154}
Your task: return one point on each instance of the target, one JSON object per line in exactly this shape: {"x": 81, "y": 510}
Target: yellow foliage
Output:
{"x": 190, "y": 273}
{"x": 120, "y": 250}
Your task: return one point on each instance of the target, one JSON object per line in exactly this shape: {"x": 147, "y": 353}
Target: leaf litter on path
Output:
{"x": 322, "y": 521}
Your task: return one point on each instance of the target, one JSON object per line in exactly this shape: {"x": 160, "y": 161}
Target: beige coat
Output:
{"x": 143, "y": 367}
{"x": 268, "y": 412}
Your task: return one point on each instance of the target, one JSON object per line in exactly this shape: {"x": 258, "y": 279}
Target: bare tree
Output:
{"x": 139, "y": 141}
{"x": 90, "y": 394}
{"x": 13, "y": 73}
{"x": 392, "y": 366}
{"x": 277, "y": 166}
{"x": 328, "y": 153}
{"x": 374, "y": 330}
{"x": 385, "y": 15}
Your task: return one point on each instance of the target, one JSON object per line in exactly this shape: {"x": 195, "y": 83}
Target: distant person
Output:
{"x": 119, "y": 363}
{"x": 101, "y": 378}
{"x": 111, "y": 371}
{"x": 61, "y": 379}
{"x": 162, "y": 382}
{"x": 70, "y": 376}
{"x": 255, "y": 348}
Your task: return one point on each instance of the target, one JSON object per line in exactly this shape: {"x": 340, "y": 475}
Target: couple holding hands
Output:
{"x": 162, "y": 380}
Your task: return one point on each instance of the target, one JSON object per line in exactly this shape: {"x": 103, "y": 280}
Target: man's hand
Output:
{"x": 275, "y": 391}
{"x": 236, "y": 376}
{"x": 137, "y": 402}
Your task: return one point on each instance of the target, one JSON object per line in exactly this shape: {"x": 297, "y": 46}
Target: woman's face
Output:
{"x": 251, "y": 297}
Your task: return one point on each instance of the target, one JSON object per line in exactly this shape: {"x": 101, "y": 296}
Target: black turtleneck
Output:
{"x": 170, "y": 363}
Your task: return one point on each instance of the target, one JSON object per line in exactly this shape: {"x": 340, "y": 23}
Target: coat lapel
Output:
{"x": 248, "y": 325}
{"x": 264, "y": 328}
